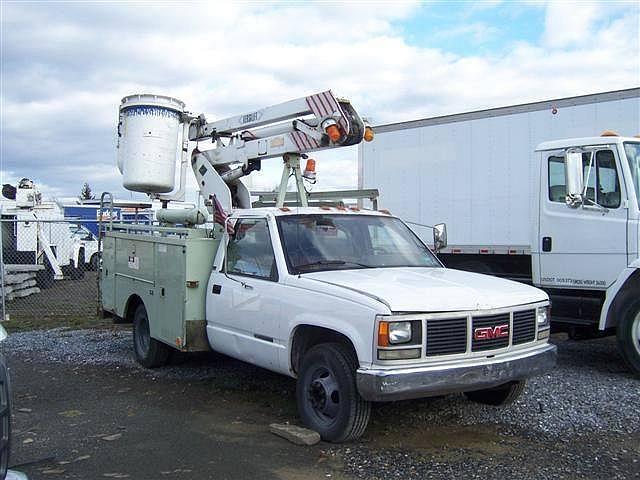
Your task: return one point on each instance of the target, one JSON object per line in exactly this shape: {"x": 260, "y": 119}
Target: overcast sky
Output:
{"x": 66, "y": 65}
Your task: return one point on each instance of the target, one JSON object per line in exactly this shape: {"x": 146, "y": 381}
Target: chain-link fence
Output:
{"x": 49, "y": 272}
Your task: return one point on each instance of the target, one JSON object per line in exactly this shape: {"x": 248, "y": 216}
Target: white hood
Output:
{"x": 432, "y": 289}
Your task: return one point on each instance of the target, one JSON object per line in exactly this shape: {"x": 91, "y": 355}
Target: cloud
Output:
{"x": 65, "y": 68}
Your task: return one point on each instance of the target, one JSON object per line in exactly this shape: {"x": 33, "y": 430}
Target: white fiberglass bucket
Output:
{"x": 148, "y": 134}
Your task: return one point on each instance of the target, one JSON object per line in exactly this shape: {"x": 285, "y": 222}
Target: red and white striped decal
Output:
{"x": 325, "y": 105}
{"x": 304, "y": 142}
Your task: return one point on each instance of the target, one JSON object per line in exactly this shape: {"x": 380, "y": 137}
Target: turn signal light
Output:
{"x": 383, "y": 334}
{"x": 333, "y": 132}
{"x": 368, "y": 134}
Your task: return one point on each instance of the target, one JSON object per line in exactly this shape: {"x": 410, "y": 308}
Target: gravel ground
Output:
{"x": 579, "y": 421}
{"x": 589, "y": 391}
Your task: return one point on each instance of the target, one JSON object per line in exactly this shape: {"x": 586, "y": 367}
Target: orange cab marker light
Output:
{"x": 385, "y": 211}
{"x": 334, "y": 133}
{"x": 285, "y": 209}
{"x": 368, "y": 134}
{"x": 383, "y": 334}
{"x": 609, "y": 133}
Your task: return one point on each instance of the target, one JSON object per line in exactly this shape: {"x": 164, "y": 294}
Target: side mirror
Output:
{"x": 574, "y": 179}
{"x": 439, "y": 236}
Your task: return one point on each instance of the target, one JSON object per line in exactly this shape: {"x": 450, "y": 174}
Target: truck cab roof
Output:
{"x": 583, "y": 141}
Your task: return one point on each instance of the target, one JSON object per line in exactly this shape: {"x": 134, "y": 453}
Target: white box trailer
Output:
{"x": 501, "y": 191}
{"x": 475, "y": 171}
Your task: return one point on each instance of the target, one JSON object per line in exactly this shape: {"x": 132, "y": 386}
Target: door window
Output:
{"x": 250, "y": 252}
{"x": 607, "y": 175}
{"x": 557, "y": 181}
{"x": 601, "y": 179}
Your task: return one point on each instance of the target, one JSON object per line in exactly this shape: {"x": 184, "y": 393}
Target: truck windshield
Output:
{"x": 632, "y": 150}
{"x": 315, "y": 243}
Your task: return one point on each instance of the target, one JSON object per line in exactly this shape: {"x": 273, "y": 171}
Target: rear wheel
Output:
{"x": 502, "y": 395}
{"x": 149, "y": 351}
{"x": 77, "y": 272}
{"x": 94, "y": 262}
{"x": 628, "y": 334}
{"x": 327, "y": 395}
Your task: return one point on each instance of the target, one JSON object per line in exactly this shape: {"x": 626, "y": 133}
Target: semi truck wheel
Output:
{"x": 327, "y": 395}
{"x": 628, "y": 333}
{"x": 149, "y": 351}
{"x": 501, "y": 395}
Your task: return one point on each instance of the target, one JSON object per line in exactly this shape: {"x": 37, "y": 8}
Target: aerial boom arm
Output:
{"x": 307, "y": 124}
{"x": 287, "y": 130}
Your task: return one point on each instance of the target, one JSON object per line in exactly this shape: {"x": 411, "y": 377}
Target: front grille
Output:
{"x": 524, "y": 327}
{"x": 446, "y": 336}
{"x": 489, "y": 322}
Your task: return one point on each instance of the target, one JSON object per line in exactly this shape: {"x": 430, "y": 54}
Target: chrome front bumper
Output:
{"x": 381, "y": 385}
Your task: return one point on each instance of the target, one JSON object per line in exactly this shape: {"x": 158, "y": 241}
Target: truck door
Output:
{"x": 584, "y": 247}
{"x": 243, "y": 306}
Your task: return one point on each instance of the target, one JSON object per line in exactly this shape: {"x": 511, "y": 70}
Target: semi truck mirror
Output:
{"x": 439, "y": 236}
{"x": 574, "y": 179}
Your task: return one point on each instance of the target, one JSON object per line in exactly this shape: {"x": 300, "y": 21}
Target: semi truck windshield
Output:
{"x": 339, "y": 242}
{"x": 632, "y": 150}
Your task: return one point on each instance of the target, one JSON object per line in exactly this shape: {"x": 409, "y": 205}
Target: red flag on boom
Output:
{"x": 220, "y": 216}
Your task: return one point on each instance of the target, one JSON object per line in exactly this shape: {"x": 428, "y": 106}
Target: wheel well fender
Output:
{"x": 130, "y": 308}
{"x": 306, "y": 336}
{"x": 623, "y": 291}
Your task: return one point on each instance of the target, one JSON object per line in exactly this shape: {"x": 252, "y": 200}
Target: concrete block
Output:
{"x": 295, "y": 434}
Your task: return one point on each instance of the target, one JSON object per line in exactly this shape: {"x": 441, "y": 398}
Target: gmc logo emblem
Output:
{"x": 487, "y": 333}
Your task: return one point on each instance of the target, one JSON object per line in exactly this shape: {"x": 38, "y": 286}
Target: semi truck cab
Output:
{"x": 586, "y": 242}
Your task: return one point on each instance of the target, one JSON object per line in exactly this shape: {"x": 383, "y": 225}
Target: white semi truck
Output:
{"x": 506, "y": 184}
{"x": 348, "y": 301}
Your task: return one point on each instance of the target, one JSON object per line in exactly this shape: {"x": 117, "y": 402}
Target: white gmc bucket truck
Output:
{"x": 563, "y": 215}
{"x": 348, "y": 301}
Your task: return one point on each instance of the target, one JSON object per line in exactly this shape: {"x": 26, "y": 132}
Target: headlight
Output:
{"x": 399, "y": 332}
{"x": 543, "y": 317}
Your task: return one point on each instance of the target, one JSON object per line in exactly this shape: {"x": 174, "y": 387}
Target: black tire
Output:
{"x": 45, "y": 278}
{"x": 94, "y": 262}
{"x": 628, "y": 333}
{"x": 498, "y": 396}
{"x": 327, "y": 395}
{"x": 77, "y": 270}
{"x": 5, "y": 418}
{"x": 149, "y": 352}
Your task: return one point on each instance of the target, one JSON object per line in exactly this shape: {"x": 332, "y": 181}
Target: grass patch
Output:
{"x": 23, "y": 323}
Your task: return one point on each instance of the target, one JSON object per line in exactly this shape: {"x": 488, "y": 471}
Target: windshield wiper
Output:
{"x": 322, "y": 263}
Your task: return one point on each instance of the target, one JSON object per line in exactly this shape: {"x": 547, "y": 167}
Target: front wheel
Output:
{"x": 5, "y": 417}
{"x": 628, "y": 334}
{"x": 149, "y": 351}
{"x": 327, "y": 395}
{"x": 498, "y": 396}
